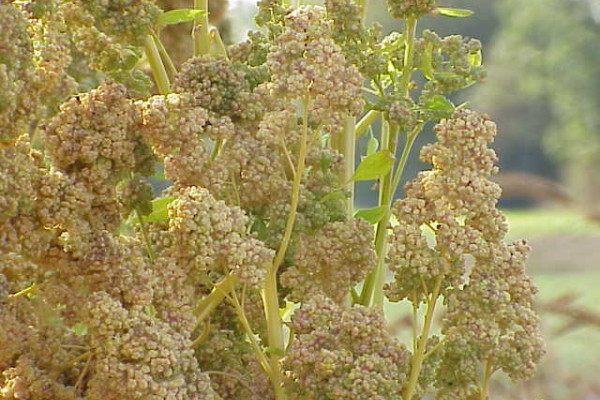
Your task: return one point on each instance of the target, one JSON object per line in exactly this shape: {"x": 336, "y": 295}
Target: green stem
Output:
{"x": 164, "y": 54}
{"x": 201, "y": 33}
{"x": 218, "y": 48}
{"x": 417, "y": 358}
{"x": 372, "y": 293}
{"x": 411, "y": 29}
{"x": 241, "y": 314}
{"x": 487, "y": 374}
{"x": 145, "y": 235}
{"x": 210, "y": 302}
{"x": 344, "y": 143}
{"x": 156, "y": 65}
{"x": 271, "y": 298}
{"x": 365, "y": 122}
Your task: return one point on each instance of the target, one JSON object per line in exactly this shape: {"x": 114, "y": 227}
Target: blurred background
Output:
{"x": 543, "y": 91}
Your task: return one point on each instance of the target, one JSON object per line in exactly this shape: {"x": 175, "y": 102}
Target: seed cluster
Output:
{"x": 331, "y": 358}
{"x": 465, "y": 259}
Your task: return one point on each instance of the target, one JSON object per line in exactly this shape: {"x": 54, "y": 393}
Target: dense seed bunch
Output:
{"x": 210, "y": 235}
{"x": 91, "y": 142}
{"x": 331, "y": 261}
{"x": 18, "y": 105}
{"x": 137, "y": 356}
{"x": 174, "y": 126}
{"x": 306, "y": 64}
{"x": 448, "y": 202}
{"x": 402, "y": 9}
{"x": 330, "y": 358}
{"x": 213, "y": 85}
{"x": 490, "y": 320}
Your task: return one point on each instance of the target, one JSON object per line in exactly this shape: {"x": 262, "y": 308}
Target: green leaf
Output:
{"x": 372, "y": 145}
{"x": 475, "y": 58}
{"x": 426, "y": 62}
{"x": 150, "y": 310}
{"x": 453, "y": 12}
{"x": 159, "y": 209}
{"x": 438, "y": 103}
{"x": 336, "y": 195}
{"x": 374, "y": 166}
{"x": 179, "y": 15}
{"x": 372, "y": 215}
{"x": 80, "y": 329}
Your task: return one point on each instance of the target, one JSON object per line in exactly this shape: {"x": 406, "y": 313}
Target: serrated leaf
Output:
{"x": 427, "y": 63}
{"x": 374, "y": 166}
{"x": 453, "y": 12}
{"x": 475, "y": 58}
{"x": 178, "y": 16}
{"x": 371, "y": 215}
{"x": 438, "y": 103}
{"x": 80, "y": 329}
{"x": 159, "y": 209}
{"x": 372, "y": 145}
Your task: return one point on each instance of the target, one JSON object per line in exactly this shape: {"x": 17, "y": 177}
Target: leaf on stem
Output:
{"x": 179, "y": 15}
{"x": 374, "y": 166}
{"x": 159, "y": 209}
{"x": 453, "y": 12}
{"x": 426, "y": 62}
{"x": 371, "y": 215}
{"x": 438, "y": 103}
{"x": 372, "y": 145}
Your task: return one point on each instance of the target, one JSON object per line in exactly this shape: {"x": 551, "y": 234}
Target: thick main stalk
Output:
{"x": 271, "y": 298}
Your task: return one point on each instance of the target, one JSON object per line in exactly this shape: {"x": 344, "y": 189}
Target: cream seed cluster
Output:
{"x": 197, "y": 241}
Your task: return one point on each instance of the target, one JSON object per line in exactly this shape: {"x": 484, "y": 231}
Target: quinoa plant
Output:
{"x": 250, "y": 276}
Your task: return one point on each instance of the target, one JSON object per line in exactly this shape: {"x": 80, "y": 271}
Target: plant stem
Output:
{"x": 344, "y": 143}
{"x": 365, "y": 122}
{"x": 210, "y": 302}
{"x": 262, "y": 359}
{"x": 411, "y": 29}
{"x": 145, "y": 235}
{"x": 417, "y": 359}
{"x": 218, "y": 48}
{"x": 200, "y": 32}
{"x": 271, "y": 298}
{"x": 164, "y": 54}
{"x": 487, "y": 374}
{"x": 372, "y": 293}
{"x": 156, "y": 65}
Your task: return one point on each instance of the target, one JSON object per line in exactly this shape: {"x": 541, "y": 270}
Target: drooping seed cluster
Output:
{"x": 450, "y": 241}
{"x": 332, "y": 358}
